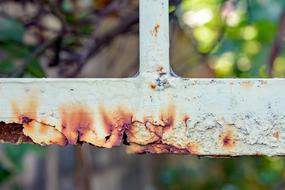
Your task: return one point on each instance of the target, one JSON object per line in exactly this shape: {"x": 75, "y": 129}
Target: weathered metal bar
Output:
{"x": 154, "y": 36}
{"x": 197, "y": 116}
{"x": 152, "y": 113}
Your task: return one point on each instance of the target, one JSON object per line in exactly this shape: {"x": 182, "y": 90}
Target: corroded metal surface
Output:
{"x": 196, "y": 116}
{"x": 152, "y": 113}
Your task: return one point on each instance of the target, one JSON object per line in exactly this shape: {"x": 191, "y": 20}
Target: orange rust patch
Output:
{"x": 115, "y": 123}
{"x": 13, "y": 133}
{"x": 76, "y": 121}
{"x": 159, "y": 69}
{"x": 185, "y": 118}
{"x": 227, "y": 139}
{"x": 152, "y": 86}
{"x": 158, "y": 130}
{"x": 26, "y": 112}
{"x": 247, "y": 84}
{"x": 158, "y": 148}
{"x": 193, "y": 148}
{"x": 106, "y": 119}
{"x": 258, "y": 154}
{"x": 29, "y": 109}
{"x": 155, "y": 30}
{"x": 276, "y": 135}
{"x": 53, "y": 136}
{"x": 28, "y": 124}
{"x": 15, "y": 109}
{"x": 167, "y": 116}
{"x": 43, "y": 128}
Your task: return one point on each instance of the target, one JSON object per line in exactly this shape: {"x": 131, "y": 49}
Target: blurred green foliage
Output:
{"x": 15, "y": 52}
{"x": 238, "y": 35}
{"x": 12, "y": 159}
{"x": 246, "y": 173}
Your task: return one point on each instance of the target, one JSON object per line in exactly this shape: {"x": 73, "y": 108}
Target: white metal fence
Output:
{"x": 153, "y": 112}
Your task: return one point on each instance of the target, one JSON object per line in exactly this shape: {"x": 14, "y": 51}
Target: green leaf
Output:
{"x": 11, "y": 30}
{"x": 4, "y": 174}
{"x": 15, "y": 50}
{"x": 267, "y": 30}
{"x": 35, "y": 69}
{"x": 6, "y": 66}
{"x": 16, "y": 152}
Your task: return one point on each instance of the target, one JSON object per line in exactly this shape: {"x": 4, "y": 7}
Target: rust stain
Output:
{"x": 58, "y": 141}
{"x": 247, "y": 84}
{"x": 26, "y": 120}
{"x": 31, "y": 107}
{"x": 158, "y": 130}
{"x": 116, "y": 123}
{"x": 152, "y": 86}
{"x": 76, "y": 121}
{"x": 15, "y": 109}
{"x": 13, "y": 133}
{"x": 120, "y": 127}
{"x": 106, "y": 119}
{"x": 43, "y": 128}
{"x": 28, "y": 124}
{"x": 51, "y": 135}
{"x": 227, "y": 138}
{"x": 160, "y": 70}
{"x": 167, "y": 116}
{"x": 258, "y": 153}
{"x": 193, "y": 148}
{"x": 155, "y": 30}
{"x": 147, "y": 136}
{"x": 185, "y": 118}
{"x": 26, "y": 112}
{"x": 153, "y": 130}
{"x": 276, "y": 135}
{"x": 160, "y": 148}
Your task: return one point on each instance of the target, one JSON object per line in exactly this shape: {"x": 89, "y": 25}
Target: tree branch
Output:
{"x": 96, "y": 43}
{"x": 277, "y": 45}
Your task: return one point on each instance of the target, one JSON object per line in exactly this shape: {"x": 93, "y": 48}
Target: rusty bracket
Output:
{"x": 151, "y": 113}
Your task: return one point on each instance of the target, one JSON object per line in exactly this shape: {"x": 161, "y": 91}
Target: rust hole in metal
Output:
{"x": 115, "y": 123}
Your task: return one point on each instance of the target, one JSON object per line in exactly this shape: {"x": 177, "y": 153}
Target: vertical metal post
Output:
{"x": 154, "y": 36}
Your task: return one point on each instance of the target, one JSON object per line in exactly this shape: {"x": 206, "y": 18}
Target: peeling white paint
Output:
{"x": 158, "y": 112}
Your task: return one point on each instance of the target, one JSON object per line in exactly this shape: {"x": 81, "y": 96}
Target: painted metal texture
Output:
{"x": 151, "y": 113}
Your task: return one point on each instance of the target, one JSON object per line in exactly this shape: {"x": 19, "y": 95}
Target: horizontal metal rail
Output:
{"x": 152, "y": 113}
